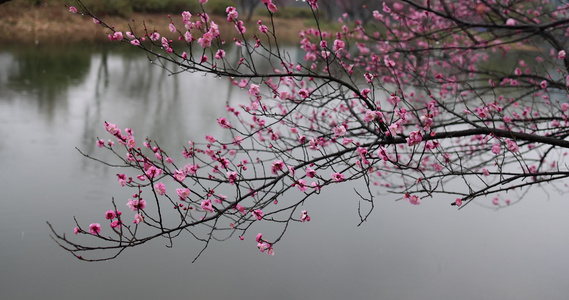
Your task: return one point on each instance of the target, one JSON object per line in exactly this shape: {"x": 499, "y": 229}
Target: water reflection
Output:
{"x": 403, "y": 252}
{"x": 44, "y": 75}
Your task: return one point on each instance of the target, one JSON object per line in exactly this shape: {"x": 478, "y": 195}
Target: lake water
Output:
{"x": 53, "y": 100}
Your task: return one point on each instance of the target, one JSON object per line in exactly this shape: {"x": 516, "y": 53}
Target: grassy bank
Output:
{"x": 51, "y": 23}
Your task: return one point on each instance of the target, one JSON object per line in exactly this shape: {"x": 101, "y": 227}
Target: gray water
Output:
{"x": 53, "y": 100}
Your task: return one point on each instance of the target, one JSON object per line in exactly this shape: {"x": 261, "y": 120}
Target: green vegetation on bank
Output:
{"x": 127, "y": 7}
{"x": 49, "y": 22}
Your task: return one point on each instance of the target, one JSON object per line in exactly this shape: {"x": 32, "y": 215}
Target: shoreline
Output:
{"x": 57, "y": 26}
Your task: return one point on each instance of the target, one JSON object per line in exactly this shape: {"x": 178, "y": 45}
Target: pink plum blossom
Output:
{"x": 240, "y": 208}
{"x": 100, "y": 143}
{"x": 232, "y": 177}
{"x": 110, "y": 214}
{"x": 153, "y": 172}
{"x": 138, "y": 218}
{"x": 72, "y": 9}
{"x": 122, "y": 179}
{"x": 180, "y": 175}
{"x": 258, "y": 214}
{"x": 130, "y": 142}
{"x": 117, "y": 36}
{"x": 154, "y": 36}
{"x": 263, "y": 28}
{"x": 386, "y": 8}
{"x": 220, "y": 199}
{"x": 496, "y": 201}
{"x": 313, "y": 4}
{"x": 316, "y": 186}
{"x": 136, "y": 204}
{"x": 310, "y": 172}
{"x": 116, "y": 224}
{"x": 207, "y": 205}
{"x": 337, "y": 177}
{"x": 339, "y": 130}
{"x": 271, "y": 251}
{"x": 239, "y": 25}
{"x": 186, "y": 16}
{"x": 272, "y": 7}
{"x": 210, "y": 139}
{"x": 415, "y": 137}
{"x": 191, "y": 169}
{"x": 304, "y": 217}
{"x": 183, "y": 193}
{"x": 339, "y": 45}
{"x": 496, "y": 148}
{"x": 95, "y": 228}
{"x": 232, "y": 13}
{"x": 291, "y": 170}
{"x": 220, "y": 54}
{"x": 561, "y": 54}
{"x": 205, "y": 40}
{"x": 413, "y": 199}
{"x": 512, "y": 146}
{"x": 377, "y": 15}
{"x": 370, "y": 116}
{"x": 303, "y": 93}
{"x": 188, "y": 38}
{"x": 301, "y": 185}
{"x": 277, "y": 165}
{"x": 224, "y": 123}
{"x": 112, "y": 128}
{"x": 263, "y": 246}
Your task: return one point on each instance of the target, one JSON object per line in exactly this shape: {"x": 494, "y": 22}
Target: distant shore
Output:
{"x": 56, "y": 25}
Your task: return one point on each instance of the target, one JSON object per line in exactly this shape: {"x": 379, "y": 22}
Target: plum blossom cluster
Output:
{"x": 419, "y": 103}
{"x": 263, "y": 245}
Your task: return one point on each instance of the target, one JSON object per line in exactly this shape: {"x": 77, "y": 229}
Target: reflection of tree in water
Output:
{"x": 133, "y": 90}
{"x": 45, "y": 74}
{"x": 122, "y": 87}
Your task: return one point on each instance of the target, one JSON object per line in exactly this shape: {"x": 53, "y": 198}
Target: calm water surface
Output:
{"x": 53, "y": 100}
